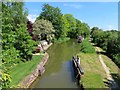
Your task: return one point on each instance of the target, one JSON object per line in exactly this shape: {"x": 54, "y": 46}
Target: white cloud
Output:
{"x": 110, "y": 27}
{"x": 73, "y": 5}
{"x": 32, "y": 17}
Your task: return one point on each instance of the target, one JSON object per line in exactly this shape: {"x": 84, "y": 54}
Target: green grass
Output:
{"x": 21, "y": 70}
{"x": 94, "y": 73}
{"x": 112, "y": 66}
{"x": 60, "y": 40}
{"x": 86, "y": 47}
{"x": 109, "y": 63}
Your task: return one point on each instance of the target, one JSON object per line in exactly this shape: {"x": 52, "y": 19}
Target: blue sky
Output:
{"x": 101, "y": 14}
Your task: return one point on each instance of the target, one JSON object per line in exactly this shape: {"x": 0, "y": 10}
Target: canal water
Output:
{"x": 59, "y": 71}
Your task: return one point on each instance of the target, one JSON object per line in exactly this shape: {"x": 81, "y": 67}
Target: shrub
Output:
{"x": 60, "y": 40}
{"x": 86, "y": 47}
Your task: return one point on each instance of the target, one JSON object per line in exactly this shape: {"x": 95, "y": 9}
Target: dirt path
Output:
{"x": 112, "y": 82}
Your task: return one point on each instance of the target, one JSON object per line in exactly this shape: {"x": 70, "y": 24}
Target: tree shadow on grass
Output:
{"x": 101, "y": 52}
{"x": 107, "y": 84}
{"x": 116, "y": 77}
{"x": 108, "y": 55}
{"x": 114, "y": 85}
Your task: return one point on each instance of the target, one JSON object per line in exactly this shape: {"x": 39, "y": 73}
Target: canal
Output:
{"x": 59, "y": 71}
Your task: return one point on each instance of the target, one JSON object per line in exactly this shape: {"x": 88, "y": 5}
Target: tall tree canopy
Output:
{"x": 82, "y": 29}
{"x": 43, "y": 29}
{"x": 53, "y": 15}
{"x": 109, "y": 41}
{"x": 17, "y": 45}
{"x": 72, "y": 25}
{"x": 66, "y": 26}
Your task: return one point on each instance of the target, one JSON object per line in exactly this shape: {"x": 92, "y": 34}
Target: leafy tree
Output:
{"x": 85, "y": 27}
{"x": 5, "y": 78}
{"x": 65, "y": 27}
{"x": 8, "y": 39}
{"x": 72, "y": 25}
{"x": 78, "y": 27}
{"x": 23, "y": 42}
{"x": 82, "y": 29}
{"x": 44, "y": 29}
{"x": 109, "y": 41}
{"x": 17, "y": 45}
{"x": 93, "y": 30}
{"x": 53, "y": 15}
{"x": 30, "y": 27}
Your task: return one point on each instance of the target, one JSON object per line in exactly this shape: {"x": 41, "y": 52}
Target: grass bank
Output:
{"x": 114, "y": 70}
{"x": 20, "y": 71}
{"x": 110, "y": 64}
{"x": 93, "y": 71}
{"x": 60, "y": 40}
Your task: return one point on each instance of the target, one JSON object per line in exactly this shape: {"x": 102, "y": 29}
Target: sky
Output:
{"x": 96, "y": 14}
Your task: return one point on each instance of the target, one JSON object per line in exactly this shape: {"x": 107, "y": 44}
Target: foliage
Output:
{"x": 76, "y": 27}
{"x": 18, "y": 38}
{"x": 43, "y": 29}
{"x": 109, "y": 41}
{"x": 60, "y": 40}
{"x": 100, "y": 37}
{"x": 16, "y": 42}
{"x": 30, "y": 27}
{"x": 72, "y": 25}
{"x": 82, "y": 29}
{"x": 86, "y": 47}
{"x": 66, "y": 26}
{"x": 53, "y": 15}
{"x": 5, "y": 78}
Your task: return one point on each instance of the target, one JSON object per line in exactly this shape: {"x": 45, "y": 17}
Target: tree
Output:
{"x": 72, "y": 25}
{"x": 17, "y": 44}
{"x": 44, "y": 29}
{"x": 109, "y": 41}
{"x": 53, "y": 15}
{"x": 78, "y": 27}
{"x": 82, "y": 29}
{"x": 93, "y": 29}
{"x": 65, "y": 27}
{"x": 23, "y": 42}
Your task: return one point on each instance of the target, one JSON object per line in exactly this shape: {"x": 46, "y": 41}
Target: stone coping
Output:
{"x": 40, "y": 69}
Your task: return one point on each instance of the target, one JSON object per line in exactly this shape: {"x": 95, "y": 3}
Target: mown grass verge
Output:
{"x": 93, "y": 71}
{"x": 114, "y": 70}
{"x": 110, "y": 64}
{"x": 21, "y": 70}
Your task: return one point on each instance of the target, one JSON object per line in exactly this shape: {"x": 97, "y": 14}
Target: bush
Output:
{"x": 60, "y": 40}
{"x": 116, "y": 59}
{"x": 86, "y": 47}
